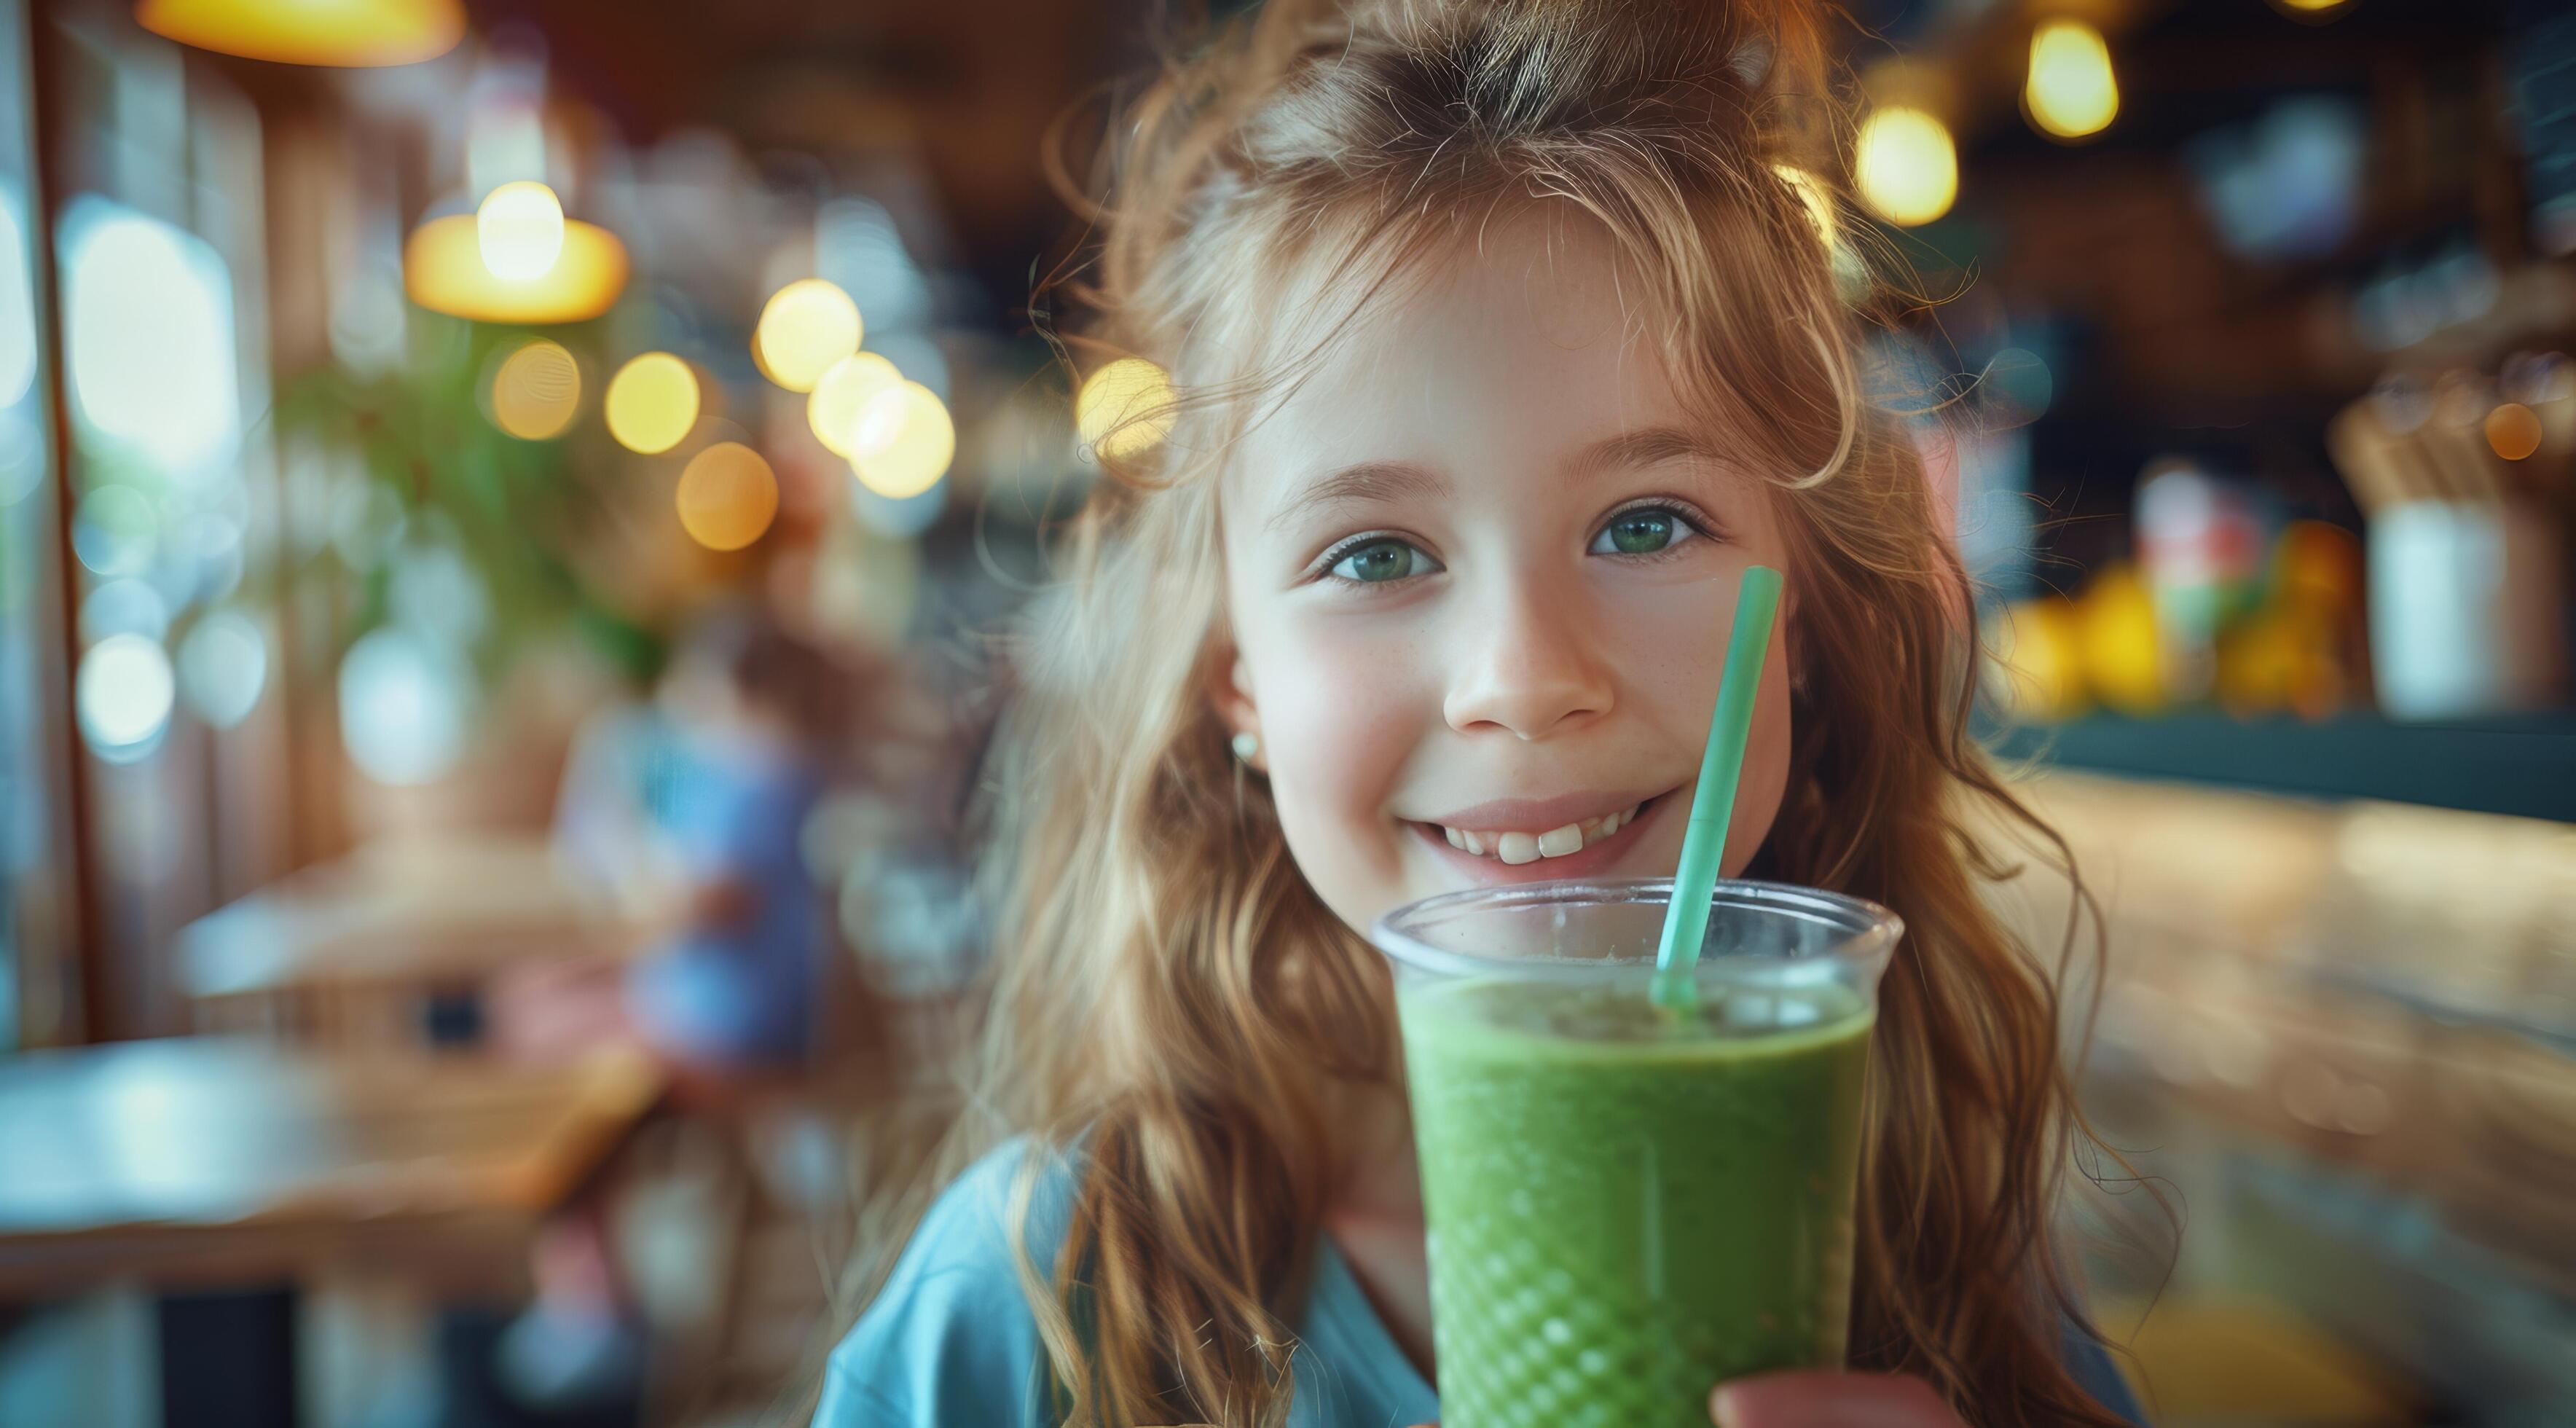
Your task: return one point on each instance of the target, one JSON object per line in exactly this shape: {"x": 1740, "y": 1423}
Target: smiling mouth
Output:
{"x": 1515, "y": 846}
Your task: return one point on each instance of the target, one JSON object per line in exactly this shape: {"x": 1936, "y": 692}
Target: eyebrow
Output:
{"x": 1385, "y": 482}
{"x": 1645, "y": 446}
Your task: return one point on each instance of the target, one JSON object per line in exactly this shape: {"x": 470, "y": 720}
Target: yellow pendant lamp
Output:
{"x": 2071, "y": 93}
{"x": 516, "y": 259}
{"x": 355, "y": 34}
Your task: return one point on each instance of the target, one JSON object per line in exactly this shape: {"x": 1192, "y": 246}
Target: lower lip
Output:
{"x": 1592, "y": 860}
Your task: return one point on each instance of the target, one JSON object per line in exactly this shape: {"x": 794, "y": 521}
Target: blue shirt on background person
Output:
{"x": 739, "y": 990}
{"x": 702, "y": 804}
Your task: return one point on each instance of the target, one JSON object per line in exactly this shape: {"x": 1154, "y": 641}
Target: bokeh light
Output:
{"x": 148, "y": 320}
{"x": 652, "y": 402}
{"x": 1125, "y": 408}
{"x": 115, "y": 531}
{"x": 2017, "y": 386}
{"x": 840, "y": 393}
{"x": 22, "y": 455}
{"x": 1811, "y": 192}
{"x": 209, "y": 558}
{"x": 125, "y": 606}
{"x": 806, "y": 327}
{"x": 2070, "y": 93}
{"x": 2513, "y": 431}
{"x": 903, "y": 442}
{"x": 17, "y": 304}
{"x": 368, "y": 521}
{"x": 443, "y": 271}
{"x": 519, "y": 230}
{"x": 434, "y": 590}
{"x": 1906, "y": 167}
{"x": 347, "y": 33}
{"x": 727, "y": 497}
{"x": 223, "y": 666}
{"x": 123, "y": 696}
{"x": 536, "y": 391}
{"x": 405, "y": 706}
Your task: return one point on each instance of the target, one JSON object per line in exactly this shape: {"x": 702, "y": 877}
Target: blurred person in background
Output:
{"x": 695, "y": 809}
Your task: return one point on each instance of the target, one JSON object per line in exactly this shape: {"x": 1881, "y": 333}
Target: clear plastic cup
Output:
{"x": 1629, "y": 1204}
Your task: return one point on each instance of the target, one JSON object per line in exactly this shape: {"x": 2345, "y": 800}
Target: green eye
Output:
{"x": 1643, "y": 531}
{"x": 1380, "y": 561}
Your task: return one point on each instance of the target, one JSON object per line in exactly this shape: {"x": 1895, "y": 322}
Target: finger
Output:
{"x": 1805, "y": 1399}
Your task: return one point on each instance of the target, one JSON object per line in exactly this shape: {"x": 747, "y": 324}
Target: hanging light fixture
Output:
{"x": 2070, "y": 93}
{"x": 520, "y": 229}
{"x": 351, "y": 34}
{"x": 444, "y": 270}
{"x": 1905, "y": 165}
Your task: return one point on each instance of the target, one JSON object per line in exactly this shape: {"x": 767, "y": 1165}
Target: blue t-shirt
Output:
{"x": 733, "y": 811}
{"x": 950, "y": 1343}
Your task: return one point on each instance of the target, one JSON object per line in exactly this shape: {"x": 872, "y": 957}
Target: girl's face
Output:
{"x": 1480, "y": 574}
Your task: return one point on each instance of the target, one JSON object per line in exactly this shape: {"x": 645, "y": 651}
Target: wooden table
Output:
{"x": 214, "y": 1162}
{"x": 352, "y": 952}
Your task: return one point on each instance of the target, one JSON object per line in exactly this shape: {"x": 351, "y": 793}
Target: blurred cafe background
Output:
{"x": 435, "y": 438}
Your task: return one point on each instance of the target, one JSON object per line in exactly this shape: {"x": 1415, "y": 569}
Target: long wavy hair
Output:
{"x": 1170, "y": 997}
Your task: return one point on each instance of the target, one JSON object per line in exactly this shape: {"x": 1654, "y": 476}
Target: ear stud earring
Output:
{"x": 1247, "y": 746}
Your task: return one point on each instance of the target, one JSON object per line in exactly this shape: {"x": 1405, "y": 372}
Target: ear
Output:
{"x": 1229, "y": 692}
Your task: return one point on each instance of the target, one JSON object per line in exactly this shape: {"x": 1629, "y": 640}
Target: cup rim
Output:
{"x": 1872, "y": 930}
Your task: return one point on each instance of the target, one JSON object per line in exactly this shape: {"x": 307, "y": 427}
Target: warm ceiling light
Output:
{"x": 2513, "y": 431}
{"x": 727, "y": 496}
{"x": 1906, "y": 166}
{"x": 519, "y": 229}
{"x": 839, "y": 394}
{"x": 2070, "y": 93}
{"x": 345, "y": 33}
{"x": 804, "y": 328}
{"x": 652, "y": 403}
{"x": 903, "y": 441}
{"x": 443, "y": 270}
{"x": 536, "y": 391}
{"x": 1125, "y": 408}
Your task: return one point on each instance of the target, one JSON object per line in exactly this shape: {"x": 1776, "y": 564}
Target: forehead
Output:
{"x": 1523, "y": 342}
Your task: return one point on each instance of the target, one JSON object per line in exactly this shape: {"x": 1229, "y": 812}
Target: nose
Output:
{"x": 1534, "y": 666}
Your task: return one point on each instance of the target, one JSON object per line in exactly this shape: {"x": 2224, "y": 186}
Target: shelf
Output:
{"x": 2523, "y": 765}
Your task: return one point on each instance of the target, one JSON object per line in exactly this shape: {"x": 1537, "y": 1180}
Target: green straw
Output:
{"x": 1757, "y": 602}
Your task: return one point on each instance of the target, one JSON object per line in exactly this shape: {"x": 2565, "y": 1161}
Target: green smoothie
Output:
{"x": 1627, "y": 1206}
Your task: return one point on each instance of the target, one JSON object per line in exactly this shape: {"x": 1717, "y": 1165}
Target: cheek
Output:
{"x": 1672, "y": 652}
{"x": 1341, "y": 716}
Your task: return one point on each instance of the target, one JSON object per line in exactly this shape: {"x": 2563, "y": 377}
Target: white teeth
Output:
{"x": 1517, "y": 848}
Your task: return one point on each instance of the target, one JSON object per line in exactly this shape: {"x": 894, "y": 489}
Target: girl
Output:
{"x": 1503, "y": 347}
